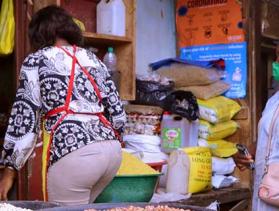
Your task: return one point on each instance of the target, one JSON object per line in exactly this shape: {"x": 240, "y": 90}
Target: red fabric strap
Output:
{"x": 85, "y": 71}
{"x": 72, "y": 77}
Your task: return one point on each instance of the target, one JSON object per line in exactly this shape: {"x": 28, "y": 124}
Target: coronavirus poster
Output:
{"x": 202, "y": 22}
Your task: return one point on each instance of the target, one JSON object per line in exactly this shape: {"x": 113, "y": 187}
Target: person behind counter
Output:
{"x": 71, "y": 89}
{"x": 259, "y": 150}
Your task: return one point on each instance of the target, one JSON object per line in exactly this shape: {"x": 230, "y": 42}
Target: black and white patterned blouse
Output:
{"x": 44, "y": 80}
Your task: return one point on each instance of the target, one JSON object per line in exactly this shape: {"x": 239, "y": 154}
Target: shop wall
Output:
{"x": 155, "y": 38}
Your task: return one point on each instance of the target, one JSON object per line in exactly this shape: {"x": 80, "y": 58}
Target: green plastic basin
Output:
{"x": 135, "y": 188}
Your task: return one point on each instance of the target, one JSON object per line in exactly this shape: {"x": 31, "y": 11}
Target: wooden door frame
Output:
{"x": 255, "y": 90}
{"x": 22, "y": 12}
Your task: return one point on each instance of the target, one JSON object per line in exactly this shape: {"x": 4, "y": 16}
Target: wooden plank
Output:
{"x": 244, "y": 112}
{"x": 104, "y": 39}
{"x": 21, "y": 47}
{"x": 83, "y": 10}
{"x": 242, "y": 205}
{"x": 225, "y": 195}
{"x": 34, "y": 166}
{"x": 126, "y": 53}
{"x": 270, "y": 19}
{"x": 39, "y": 4}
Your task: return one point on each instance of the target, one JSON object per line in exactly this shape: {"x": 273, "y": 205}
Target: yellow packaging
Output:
{"x": 218, "y": 109}
{"x": 7, "y": 27}
{"x": 131, "y": 165}
{"x": 200, "y": 169}
{"x": 220, "y": 148}
{"x": 80, "y": 24}
{"x": 46, "y": 140}
{"x": 217, "y": 131}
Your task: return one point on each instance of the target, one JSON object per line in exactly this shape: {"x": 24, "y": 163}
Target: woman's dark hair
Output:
{"x": 50, "y": 23}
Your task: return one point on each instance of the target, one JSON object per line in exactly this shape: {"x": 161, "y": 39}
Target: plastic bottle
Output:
{"x": 177, "y": 132}
{"x": 110, "y": 60}
{"x": 111, "y": 17}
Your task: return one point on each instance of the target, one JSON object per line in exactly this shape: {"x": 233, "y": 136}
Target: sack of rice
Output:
{"x": 189, "y": 75}
{"x": 218, "y": 109}
{"x": 206, "y": 92}
{"x": 216, "y": 131}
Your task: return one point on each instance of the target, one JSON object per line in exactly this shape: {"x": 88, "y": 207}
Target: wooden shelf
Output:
{"x": 104, "y": 39}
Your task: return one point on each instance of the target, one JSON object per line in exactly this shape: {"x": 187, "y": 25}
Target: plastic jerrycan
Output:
{"x": 178, "y": 172}
{"x": 177, "y": 132}
{"x": 111, "y": 18}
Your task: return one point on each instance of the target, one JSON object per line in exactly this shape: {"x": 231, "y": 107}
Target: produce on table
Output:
{"x": 147, "y": 208}
{"x": 9, "y": 207}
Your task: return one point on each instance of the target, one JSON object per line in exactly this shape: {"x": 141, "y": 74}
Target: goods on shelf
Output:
{"x": 144, "y": 120}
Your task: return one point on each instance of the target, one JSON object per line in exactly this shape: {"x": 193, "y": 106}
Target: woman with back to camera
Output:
{"x": 72, "y": 91}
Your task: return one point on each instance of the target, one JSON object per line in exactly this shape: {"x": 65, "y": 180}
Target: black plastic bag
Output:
{"x": 182, "y": 103}
{"x": 151, "y": 93}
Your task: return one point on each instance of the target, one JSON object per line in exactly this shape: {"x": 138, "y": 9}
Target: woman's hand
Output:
{"x": 243, "y": 161}
{"x": 6, "y": 183}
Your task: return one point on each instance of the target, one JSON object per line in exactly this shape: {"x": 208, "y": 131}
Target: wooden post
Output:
{"x": 256, "y": 90}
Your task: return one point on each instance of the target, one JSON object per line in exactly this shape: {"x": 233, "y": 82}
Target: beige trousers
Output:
{"x": 80, "y": 176}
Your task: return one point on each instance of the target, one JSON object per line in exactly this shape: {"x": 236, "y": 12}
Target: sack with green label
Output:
{"x": 7, "y": 27}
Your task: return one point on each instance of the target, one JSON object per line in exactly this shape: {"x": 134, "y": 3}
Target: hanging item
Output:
{"x": 7, "y": 27}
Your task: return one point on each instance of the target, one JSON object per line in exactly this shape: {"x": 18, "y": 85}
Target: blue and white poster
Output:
{"x": 235, "y": 57}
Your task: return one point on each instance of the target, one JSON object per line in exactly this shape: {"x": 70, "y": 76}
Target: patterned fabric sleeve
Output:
{"x": 113, "y": 104}
{"x": 23, "y": 123}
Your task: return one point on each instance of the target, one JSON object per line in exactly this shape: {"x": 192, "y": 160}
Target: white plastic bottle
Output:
{"x": 111, "y": 17}
{"x": 110, "y": 60}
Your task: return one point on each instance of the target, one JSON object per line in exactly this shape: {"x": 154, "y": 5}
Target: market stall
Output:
{"x": 151, "y": 99}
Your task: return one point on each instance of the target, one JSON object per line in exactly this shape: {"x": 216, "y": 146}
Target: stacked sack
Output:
{"x": 203, "y": 82}
{"x": 215, "y": 125}
{"x": 189, "y": 169}
{"x": 216, "y": 113}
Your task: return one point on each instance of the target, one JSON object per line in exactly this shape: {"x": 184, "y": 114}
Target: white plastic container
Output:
{"x": 177, "y": 132}
{"x": 111, "y": 17}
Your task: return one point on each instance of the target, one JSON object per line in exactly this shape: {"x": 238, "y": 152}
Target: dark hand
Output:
{"x": 243, "y": 161}
{"x": 6, "y": 183}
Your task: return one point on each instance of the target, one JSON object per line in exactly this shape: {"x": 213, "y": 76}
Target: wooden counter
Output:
{"x": 231, "y": 199}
